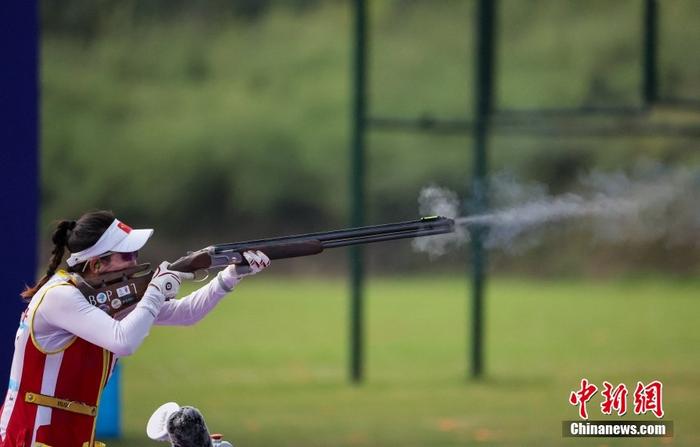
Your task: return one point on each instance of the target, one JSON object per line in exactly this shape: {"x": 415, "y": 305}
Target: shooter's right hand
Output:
{"x": 167, "y": 281}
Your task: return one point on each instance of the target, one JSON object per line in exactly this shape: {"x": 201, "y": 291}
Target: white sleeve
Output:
{"x": 195, "y": 306}
{"x": 65, "y": 308}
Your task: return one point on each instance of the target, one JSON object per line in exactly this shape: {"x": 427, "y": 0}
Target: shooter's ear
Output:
{"x": 94, "y": 265}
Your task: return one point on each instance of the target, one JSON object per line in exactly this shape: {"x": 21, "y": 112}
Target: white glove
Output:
{"x": 168, "y": 281}
{"x": 231, "y": 275}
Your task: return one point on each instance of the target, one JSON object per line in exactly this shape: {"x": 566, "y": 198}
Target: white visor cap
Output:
{"x": 119, "y": 237}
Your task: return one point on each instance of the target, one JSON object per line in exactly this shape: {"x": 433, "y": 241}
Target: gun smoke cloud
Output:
{"x": 651, "y": 203}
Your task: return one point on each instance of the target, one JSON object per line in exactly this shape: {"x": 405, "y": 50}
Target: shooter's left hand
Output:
{"x": 257, "y": 262}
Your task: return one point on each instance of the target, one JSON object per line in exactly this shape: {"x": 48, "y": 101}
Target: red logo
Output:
{"x": 124, "y": 227}
{"x": 646, "y": 398}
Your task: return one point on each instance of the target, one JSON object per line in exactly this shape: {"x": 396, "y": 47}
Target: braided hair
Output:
{"x": 74, "y": 236}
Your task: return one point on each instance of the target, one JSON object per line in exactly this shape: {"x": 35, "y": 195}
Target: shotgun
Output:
{"x": 117, "y": 292}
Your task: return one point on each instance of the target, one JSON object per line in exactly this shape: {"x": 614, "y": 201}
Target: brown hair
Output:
{"x": 75, "y": 236}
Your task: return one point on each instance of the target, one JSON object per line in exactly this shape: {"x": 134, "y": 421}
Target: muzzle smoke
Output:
{"x": 652, "y": 203}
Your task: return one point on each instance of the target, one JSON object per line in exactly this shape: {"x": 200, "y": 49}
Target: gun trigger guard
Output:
{"x": 206, "y": 276}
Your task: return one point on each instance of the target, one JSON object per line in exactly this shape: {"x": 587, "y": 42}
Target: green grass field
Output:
{"x": 268, "y": 366}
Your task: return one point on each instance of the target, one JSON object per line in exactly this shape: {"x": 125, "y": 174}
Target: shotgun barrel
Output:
{"x": 361, "y": 235}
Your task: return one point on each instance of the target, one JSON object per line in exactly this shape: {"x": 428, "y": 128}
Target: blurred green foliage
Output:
{"x": 224, "y": 120}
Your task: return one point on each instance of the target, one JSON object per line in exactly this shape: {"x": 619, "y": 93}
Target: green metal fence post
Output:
{"x": 483, "y": 86}
{"x": 650, "y": 91}
{"x": 357, "y": 190}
